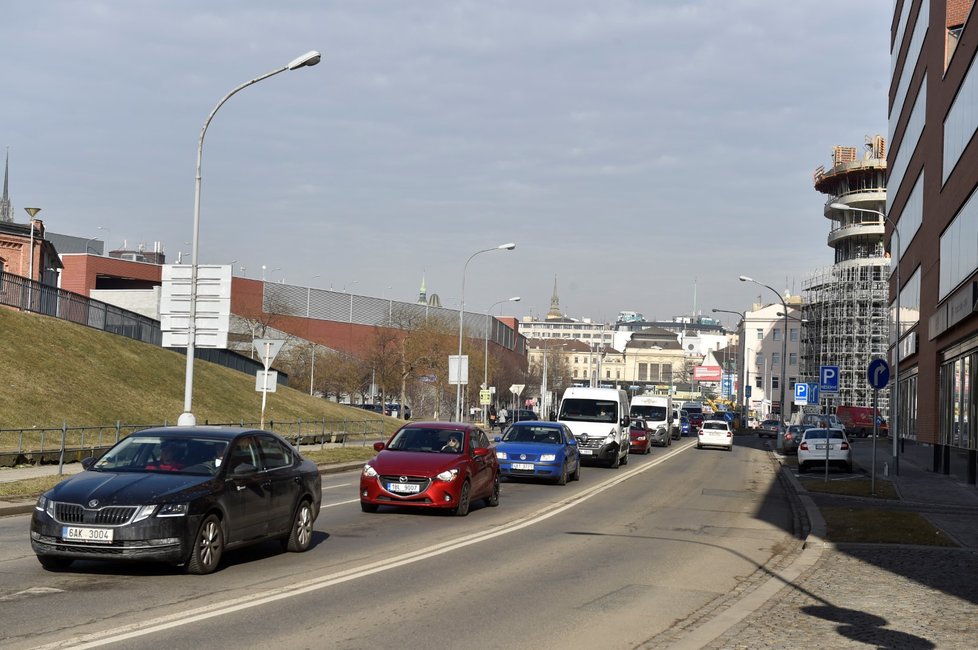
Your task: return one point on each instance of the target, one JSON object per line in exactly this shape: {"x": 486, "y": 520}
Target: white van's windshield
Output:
{"x": 588, "y": 410}
{"x": 654, "y": 413}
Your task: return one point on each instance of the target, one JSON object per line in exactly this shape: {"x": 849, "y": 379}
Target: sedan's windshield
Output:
{"x": 425, "y": 439}
{"x": 180, "y": 455}
{"x": 544, "y": 435}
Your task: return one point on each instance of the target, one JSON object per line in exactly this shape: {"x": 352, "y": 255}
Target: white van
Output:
{"x": 658, "y": 414}
{"x": 598, "y": 418}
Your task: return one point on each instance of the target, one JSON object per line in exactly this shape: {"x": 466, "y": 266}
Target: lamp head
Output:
{"x": 308, "y": 59}
{"x": 508, "y": 247}
{"x": 838, "y": 206}
{"x": 744, "y": 278}
{"x": 514, "y": 299}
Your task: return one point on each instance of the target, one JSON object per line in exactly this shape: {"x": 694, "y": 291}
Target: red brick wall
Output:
{"x": 80, "y": 271}
{"x": 957, "y": 11}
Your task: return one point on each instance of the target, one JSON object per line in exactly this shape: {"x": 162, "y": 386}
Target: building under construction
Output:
{"x": 845, "y": 304}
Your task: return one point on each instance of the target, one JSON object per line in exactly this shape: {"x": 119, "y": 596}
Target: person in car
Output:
{"x": 453, "y": 446}
{"x": 170, "y": 458}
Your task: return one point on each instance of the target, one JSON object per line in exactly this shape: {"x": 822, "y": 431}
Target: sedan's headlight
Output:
{"x": 501, "y": 455}
{"x": 369, "y": 471}
{"x": 42, "y": 503}
{"x": 548, "y": 458}
{"x": 143, "y": 513}
{"x": 173, "y": 510}
{"x": 448, "y": 475}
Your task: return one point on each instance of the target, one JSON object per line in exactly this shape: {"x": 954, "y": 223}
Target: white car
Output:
{"x": 817, "y": 445}
{"x": 715, "y": 433}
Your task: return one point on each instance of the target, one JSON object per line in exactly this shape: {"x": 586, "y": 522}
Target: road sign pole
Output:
{"x": 876, "y": 426}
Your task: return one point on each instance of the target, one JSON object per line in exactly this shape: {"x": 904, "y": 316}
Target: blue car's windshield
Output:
{"x": 535, "y": 434}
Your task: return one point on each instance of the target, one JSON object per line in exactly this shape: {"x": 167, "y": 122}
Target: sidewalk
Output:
{"x": 873, "y": 595}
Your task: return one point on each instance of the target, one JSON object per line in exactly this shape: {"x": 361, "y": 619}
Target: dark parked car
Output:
{"x": 792, "y": 436}
{"x": 769, "y": 429}
{"x": 181, "y": 495}
{"x": 519, "y": 415}
{"x": 375, "y": 408}
{"x": 443, "y": 465}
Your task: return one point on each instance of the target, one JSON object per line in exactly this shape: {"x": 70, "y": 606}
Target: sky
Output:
{"x": 641, "y": 154}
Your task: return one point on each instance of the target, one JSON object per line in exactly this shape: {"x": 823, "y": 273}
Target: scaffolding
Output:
{"x": 845, "y": 305}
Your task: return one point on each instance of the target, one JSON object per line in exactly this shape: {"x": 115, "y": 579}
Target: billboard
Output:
{"x": 707, "y": 373}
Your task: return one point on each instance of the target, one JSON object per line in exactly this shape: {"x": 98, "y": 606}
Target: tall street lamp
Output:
{"x": 895, "y": 391}
{"x": 784, "y": 344}
{"x": 485, "y": 372}
{"x": 461, "y": 312}
{"x": 187, "y": 417}
{"x": 743, "y": 345}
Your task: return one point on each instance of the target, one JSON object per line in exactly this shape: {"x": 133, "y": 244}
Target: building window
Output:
{"x": 775, "y": 359}
{"x": 775, "y": 382}
{"x": 791, "y": 382}
{"x": 792, "y": 358}
{"x": 760, "y": 334}
{"x": 793, "y": 335}
{"x": 643, "y": 372}
{"x": 759, "y": 381}
{"x": 759, "y": 358}
{"x": 776, "y": 334}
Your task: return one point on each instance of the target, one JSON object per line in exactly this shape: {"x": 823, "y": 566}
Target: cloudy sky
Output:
{"x": 644, "y": 153}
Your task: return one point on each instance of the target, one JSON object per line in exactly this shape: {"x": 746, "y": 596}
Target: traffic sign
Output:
{"x": 878, "y": 373}
{"x": 516, "y": 389}
{"x": 813, "y": 394}
{"x": 801, "y": 394}
{"x": 828, "y": 379}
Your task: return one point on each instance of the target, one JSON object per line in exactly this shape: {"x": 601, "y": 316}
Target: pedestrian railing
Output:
{"x": 67, "y": 444}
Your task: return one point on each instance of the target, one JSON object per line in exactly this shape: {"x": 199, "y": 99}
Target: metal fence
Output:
{"x": 70, "y": 444}
{"x": 33, "y": 296}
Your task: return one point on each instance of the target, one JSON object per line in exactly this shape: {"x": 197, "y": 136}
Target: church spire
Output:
{"x": 6, "y": 211}
{"x": 423, "y": 294}
{"x": 554, "y": 313}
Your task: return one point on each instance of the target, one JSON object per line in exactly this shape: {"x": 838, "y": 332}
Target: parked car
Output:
{"x": 181, "y": 495}
{"x": 812, "y": 449}
{"x": 375, "y": 408}
{"x": 394, "y": 410}
{"x": 792, "y": 436}
{"x": 419, "y": 468}
{"x": 521, "y": 415}
{"x": 715, "y": 433}
{"x": 534, "y": 449}
{"x": 769, "y": 429}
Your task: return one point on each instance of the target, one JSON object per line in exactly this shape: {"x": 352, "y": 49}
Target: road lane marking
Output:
{"x": 339, "y": 485}
{"x": 339, "y": 503}
{"x": 161, "y": 623}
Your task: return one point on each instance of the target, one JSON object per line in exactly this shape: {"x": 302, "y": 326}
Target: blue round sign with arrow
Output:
{"x": 878, "y": 373}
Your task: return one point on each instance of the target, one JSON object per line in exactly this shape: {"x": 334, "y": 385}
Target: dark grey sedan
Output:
{"x": 180, "y": 495}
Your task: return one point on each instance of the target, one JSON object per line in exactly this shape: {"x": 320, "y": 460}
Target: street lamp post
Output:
{"x": 895, "y": 391}
{"x": 187, "y": 417}
{"x": 485, "y": 371}
{"x": 746, "y": 372}
{"x": 461, "y": 312}
{"x": 784, "y": 345}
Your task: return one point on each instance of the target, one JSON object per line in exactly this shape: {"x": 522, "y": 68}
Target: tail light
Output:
{"x": 729, "y": 434}
{"x": 803, "y": 446}
{"x": 845, "y": 445}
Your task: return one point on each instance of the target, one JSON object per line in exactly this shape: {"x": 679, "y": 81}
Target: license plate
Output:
{"x": 94, "y": 535}
{"x": 819, "y": 446}
{"x": 528, "y": 466}
{"x": 586, "y": 452}
{"x": 403, "y": 487}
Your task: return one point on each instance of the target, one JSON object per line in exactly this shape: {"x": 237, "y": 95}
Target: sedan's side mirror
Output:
{"x": 481, "y": 452}
{"x": 378, "y": 446}
{"x": 87, "y": 462}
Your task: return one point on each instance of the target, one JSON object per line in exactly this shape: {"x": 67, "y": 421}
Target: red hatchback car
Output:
{"x": 640, "y": 438}
{"x": 431, "y": 465}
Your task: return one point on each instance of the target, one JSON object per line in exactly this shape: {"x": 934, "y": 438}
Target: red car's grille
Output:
{"x": 392, "y": 483}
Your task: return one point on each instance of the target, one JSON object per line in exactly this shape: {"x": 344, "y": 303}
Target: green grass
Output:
{"x": 872, "y": 526}
{"x": 54, "y": 372}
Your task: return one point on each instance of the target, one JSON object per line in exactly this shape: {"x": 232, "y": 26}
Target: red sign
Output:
{"x": 707, "y": 373}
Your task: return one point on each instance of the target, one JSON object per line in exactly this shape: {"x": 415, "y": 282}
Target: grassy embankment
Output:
{"x": 54, "y": 372}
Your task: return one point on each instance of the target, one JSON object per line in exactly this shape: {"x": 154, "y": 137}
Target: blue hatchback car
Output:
{"x": 537, "y": 449}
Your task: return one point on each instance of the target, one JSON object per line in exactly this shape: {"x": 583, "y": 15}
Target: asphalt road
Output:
{"x": 610, "y": 561}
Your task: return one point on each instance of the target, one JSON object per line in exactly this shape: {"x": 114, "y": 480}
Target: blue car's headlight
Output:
{"x": 501, "y": 455}
{"x": 548, "y": 458}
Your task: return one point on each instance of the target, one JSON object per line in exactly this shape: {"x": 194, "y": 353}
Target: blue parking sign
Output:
{"x": 801, "y": 394}
{"x": 828, "y": 379}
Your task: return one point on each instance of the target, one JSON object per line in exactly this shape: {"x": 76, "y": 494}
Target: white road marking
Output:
{"x": 213, "y": 610}
{"x": 338, "y": 485}
{"x": 340, "y": 503}
{"x": 33, "y": 591}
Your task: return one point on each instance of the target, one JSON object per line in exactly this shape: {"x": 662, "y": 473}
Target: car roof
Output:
{"x": 226, "y": 433}
{"x": 537, "y": 423}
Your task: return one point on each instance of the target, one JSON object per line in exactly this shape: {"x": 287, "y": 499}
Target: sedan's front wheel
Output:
{"x": 300, "y": 537}
{"x": 208, "y": 547}
{"x": 462, "y": 509}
